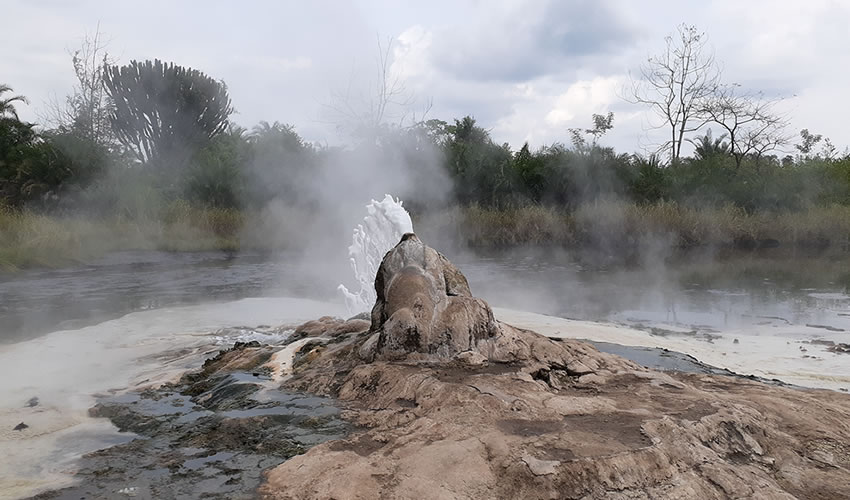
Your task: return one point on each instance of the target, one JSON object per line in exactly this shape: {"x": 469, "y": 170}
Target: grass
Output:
{"x": 30, "y": 240}
{"x": 617, "y": 225}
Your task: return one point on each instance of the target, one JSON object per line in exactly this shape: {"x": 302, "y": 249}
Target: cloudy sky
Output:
{"x": 526, "y": 70}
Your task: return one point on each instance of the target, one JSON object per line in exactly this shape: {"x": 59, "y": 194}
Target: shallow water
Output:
{"x": 36, "y": 302}
{"x": 691, "y": 294}
{"x": 68, "y": 371}
{"x": 186, "y": 448}
{"x": 694, "y": 293}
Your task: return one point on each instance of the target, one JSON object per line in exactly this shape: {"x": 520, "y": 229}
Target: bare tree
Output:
{"x": 749, "y": 120}
{"x": 86, "y": 110}
{"x": 675, "y": 83}
{"x": 386, "y": 100}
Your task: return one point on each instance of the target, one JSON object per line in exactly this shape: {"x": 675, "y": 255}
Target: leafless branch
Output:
{"x": 387, "y": 100}
{"x": 674, "y": 84}
{"x": 86, "y": 109}
{"x": 749, "y": 120}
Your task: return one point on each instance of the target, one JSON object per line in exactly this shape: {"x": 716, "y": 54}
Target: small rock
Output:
{"x": 129, "y": 491}
{"x": 840, "y": 349}
{"x": 823, "y": 457}
{"x": 21, "y": 426}
{"x": 736, "y": 341}
{"x": 33, "y": 401}
{"x": 540, "y": 467}
{"x": 471, "y": 358}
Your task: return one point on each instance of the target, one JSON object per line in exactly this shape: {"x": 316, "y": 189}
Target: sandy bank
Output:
{"x": 786, "y": 353}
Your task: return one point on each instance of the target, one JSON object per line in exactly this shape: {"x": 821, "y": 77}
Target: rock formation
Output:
{"x": 455, "y": 405}
{"x": 424, "y": 306}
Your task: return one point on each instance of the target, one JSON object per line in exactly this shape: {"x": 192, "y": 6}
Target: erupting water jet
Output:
{"x": 382, "y": 228}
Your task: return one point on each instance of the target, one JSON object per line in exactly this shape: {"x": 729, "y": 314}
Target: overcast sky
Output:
{"x": 526, "y": 70}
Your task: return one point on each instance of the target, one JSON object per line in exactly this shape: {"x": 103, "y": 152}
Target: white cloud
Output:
{"x": 584, "y": 98}
{"x": 411, "y": 56}
{"x": 526, "y": 70}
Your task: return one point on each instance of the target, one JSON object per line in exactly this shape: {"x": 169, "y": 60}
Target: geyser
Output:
{"x": 385, "y": 223}
{"x": 424, "y": 305}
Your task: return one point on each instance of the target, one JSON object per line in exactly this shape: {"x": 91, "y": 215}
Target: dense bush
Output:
{"x": 40, "y": 169}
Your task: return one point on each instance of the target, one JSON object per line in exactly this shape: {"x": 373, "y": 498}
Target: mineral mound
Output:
{"x": 424, "y": 305}
{"x": 454, "y": 404}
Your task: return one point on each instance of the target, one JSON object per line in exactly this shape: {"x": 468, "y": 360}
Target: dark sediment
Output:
{"x": 209, "y": 436}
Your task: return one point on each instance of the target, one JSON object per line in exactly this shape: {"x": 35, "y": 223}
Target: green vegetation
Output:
{"x": 162, "y": 113}
{"x": 621, "y": 227}
{"x": 30, "y": 239}
{"x": 144, "y": 156}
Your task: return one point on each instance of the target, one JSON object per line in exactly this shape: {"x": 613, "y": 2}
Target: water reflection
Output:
{"x": 703, "y": 294}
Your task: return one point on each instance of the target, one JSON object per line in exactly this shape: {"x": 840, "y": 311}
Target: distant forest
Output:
{"x": 131, "y": 138}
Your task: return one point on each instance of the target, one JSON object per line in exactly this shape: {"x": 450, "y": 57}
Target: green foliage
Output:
{"x": 37, "y": 169}
{"x": 530, "y": 172}
{"x": 280, "y": 161}
{"x": 215, "y": 177}
{"x": 483, "y": 171}
{"x": 650, "y": 181}
{"x": 164, "y": 113}
{"x": 7, "y": 104}
{"x": 171, "y": 116}
{"x": 125, "y": 192}
{"x": 706, "y": 147}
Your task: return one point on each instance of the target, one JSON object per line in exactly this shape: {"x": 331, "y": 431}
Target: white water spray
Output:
{"x": 381, "y": 230}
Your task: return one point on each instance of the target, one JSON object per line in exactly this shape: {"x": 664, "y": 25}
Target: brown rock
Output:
{"x": 499, "y": 412}
{"x": 424, "y": 306}
{"x": 453, "y": 431}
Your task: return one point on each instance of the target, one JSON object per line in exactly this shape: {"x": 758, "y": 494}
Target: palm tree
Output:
{"x": 706, "y": 146}
{"x": 6, "y": 106}
{"x": 277, "y": 133}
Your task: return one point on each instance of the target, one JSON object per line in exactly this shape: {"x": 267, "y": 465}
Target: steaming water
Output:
{"x": 769, "y": 317}
{"x": 382, "y": 228}
{"x": 740, "y": 291}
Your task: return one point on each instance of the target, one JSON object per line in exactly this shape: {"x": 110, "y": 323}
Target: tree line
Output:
{"x": 129, "y": 136}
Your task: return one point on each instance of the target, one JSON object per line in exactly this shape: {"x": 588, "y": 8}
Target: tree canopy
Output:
{"x": 7, "y": 106}
{"x": 163, "y": 112}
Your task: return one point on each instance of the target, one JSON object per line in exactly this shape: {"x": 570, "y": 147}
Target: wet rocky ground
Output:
{"x": 564, "y": 419}
{"x": 213, "y": 434}
{"x": 209, "y": 436}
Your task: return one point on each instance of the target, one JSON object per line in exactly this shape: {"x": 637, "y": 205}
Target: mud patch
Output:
{"x": 623, "y": 428}
{"x": 364, "y": 445}
{"x": 527, "y": 428}
{"x": 211, "y": 436}
{"x": 460, "y": 374}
